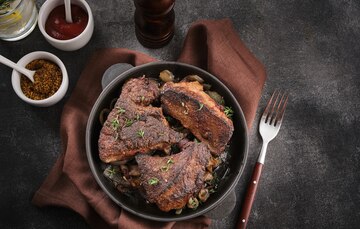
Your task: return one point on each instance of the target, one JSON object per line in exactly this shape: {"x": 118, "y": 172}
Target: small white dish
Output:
{"x": 59, "y": 94}
{"x": 71, "y": 44}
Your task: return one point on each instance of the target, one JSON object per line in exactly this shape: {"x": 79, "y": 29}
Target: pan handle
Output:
{"x": 114, "y": 71}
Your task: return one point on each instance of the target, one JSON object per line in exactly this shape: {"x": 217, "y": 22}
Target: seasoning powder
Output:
{"x": 47, "y": 79}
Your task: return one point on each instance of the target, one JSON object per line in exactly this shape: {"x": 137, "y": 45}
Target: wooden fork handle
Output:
{"x": 249, "y": 196}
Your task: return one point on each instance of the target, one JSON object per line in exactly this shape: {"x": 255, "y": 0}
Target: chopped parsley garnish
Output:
{"x": 170, "y": 161}
{"x": 153, "y": 181}
{"x": 211, "y": 191}
{"x": 115, "y": 123}
{"x": 200, "y": 106}
{"x": 111, "y": 171}
{"x": 228, "y": 112}
{"x": 166, "y": 167}
{"x": 128, "y": 122}
{"x": 120, "y": 110}
{"x": 140, "y": 133}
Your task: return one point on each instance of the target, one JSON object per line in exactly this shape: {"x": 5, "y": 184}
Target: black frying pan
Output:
{"x": 229, "y": 172}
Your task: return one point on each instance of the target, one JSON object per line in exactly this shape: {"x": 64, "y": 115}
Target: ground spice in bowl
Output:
{"x": 47, "y": 80}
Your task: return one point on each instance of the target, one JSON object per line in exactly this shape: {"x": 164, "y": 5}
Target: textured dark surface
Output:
{"x": 311, "y": 177}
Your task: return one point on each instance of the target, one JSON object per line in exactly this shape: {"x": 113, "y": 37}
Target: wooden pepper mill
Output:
{"x": 154, "y": 22}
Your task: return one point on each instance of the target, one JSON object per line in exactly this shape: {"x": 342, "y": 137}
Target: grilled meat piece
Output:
{"x": 134, "y": 126}
{"x": 198, "y": 112}
{"x": 170, "y": 181}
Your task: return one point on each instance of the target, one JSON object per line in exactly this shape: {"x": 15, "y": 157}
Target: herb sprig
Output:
{"x": 128, "y": 122}
{"x": 120, "y": 110}
{"x": 228, "y": 111}
{"x": 140, "y": 133}
{"x": 115, "y": 123}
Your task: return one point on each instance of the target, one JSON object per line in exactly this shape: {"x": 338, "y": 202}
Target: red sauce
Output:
{"x": 57, "y": 27}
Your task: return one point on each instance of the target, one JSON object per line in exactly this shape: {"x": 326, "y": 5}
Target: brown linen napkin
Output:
{"x": 210, "y": 44}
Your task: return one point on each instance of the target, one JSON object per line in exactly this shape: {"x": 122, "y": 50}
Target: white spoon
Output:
{"x": 68, "y": 11}
{"x": 28, "y": 73}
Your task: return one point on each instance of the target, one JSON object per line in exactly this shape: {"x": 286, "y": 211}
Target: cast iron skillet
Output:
{"x": 229, "y": 172}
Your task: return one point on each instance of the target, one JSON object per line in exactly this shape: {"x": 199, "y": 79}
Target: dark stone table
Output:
{"x": 311, "y": 177}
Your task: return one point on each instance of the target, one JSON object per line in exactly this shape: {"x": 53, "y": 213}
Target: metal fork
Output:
{"x": 269, "y": 127}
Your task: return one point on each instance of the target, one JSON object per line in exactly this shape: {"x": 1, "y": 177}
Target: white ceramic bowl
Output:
{"x": 70, "y": 44}
{"x": 59, "y": 94}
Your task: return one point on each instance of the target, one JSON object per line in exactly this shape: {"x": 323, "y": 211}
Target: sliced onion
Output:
{"x": 166, "y": 76}
{"x": 191, "y": 78}
{"x": 192, "y": 203}
{"x": 208, "y": 177}
{"x": 203, "y": 194}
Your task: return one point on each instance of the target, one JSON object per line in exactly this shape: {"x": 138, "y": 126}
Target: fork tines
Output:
{"x": 275, "y": 109}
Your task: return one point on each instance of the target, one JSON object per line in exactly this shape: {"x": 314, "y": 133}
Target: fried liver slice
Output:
{"x": 198, "y": 112}
{"x": 133, "y": 125}
{"x": 170, "y": 181}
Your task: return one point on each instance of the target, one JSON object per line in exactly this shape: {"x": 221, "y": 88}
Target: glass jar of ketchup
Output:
{"x": 57, "y": 26}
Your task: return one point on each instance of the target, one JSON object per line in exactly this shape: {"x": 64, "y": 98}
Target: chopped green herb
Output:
{"x": 196, "y": 140}
{"x": 211, "y": 191}
{"x": 115, "y": 123}
{"x": 120, "y": 110}
{"x": 140, "y": 133}
{"x": 111, "y": 171}
{"x": 153, "y": 181}
{"x": 228, "y": 112}
{"x": 137, "y": 117}
{"x": 200, "y": 106}
{"x": 166, "y": 167}
{"x": 170, "y": 161}
{"x": 128, "y": 122}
